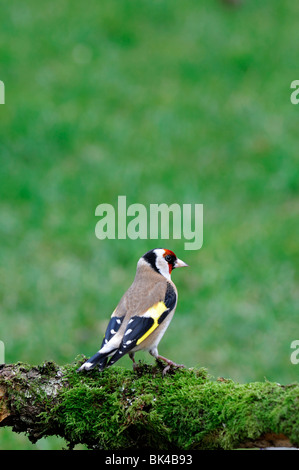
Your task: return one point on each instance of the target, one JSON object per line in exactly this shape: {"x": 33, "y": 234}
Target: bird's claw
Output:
{"x": 171, "y": 365}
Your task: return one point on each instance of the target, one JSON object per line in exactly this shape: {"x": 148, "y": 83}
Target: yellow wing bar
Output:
{"x": 154, "y": 312}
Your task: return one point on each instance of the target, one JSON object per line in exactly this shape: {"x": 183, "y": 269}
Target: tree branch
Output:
{"x": 122, "y": 409}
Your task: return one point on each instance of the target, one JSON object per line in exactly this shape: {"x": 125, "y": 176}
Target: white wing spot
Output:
{"x": 128, "y": 342}
{"x": 113, "y": 331}
{"x": 118, "y": 321}
{"x": 87, "y": 365}
{"x": 127, "y": 332}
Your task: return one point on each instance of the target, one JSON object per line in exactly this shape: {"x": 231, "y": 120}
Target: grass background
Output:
{"x": 161, "y": 101}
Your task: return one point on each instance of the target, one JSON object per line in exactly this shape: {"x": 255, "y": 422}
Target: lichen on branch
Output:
{"x": 124, "y": 409}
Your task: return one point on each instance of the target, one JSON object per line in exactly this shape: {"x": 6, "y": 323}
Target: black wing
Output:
{"x": 140, "y": 327}
{"x": 112, "y": 328}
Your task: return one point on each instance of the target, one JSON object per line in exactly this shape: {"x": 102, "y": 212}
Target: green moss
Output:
{"x": 122, "y": 409}
{"x": 119, "y": 409}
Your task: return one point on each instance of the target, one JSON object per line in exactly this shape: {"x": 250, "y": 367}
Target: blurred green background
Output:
{"x": 161, "y": 101}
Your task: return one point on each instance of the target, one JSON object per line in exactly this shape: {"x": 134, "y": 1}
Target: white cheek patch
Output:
{"x": 161, "y": 264}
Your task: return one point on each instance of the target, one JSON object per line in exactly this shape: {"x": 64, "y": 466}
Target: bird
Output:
{"x": 143, "y": 313}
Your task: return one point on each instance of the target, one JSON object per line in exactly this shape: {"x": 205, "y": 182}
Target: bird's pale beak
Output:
{"x": 180, "y": 264}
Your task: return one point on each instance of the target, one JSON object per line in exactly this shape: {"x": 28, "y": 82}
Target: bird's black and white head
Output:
{"x": 162, "y": 261}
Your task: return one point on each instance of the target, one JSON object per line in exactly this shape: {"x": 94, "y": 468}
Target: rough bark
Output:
{"x": 124, "y": 409}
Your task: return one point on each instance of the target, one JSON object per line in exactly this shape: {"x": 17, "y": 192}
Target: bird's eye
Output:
{"x": 168, "y": 258}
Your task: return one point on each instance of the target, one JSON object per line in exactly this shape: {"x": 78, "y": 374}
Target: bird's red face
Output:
{"x": 163, "y": 261}
{"x": 172, "y": 260}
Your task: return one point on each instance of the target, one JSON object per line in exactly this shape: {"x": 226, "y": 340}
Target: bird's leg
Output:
{"x": 131, "y": 356}
{"x": 164, "y": 359}
{"x": 169, "y": 364}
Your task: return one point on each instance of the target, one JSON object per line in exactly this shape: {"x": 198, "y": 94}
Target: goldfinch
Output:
{"x": 143, "y": 313}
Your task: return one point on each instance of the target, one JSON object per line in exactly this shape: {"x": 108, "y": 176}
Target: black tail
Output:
{"x": 98, "y": 359}
{"x": 118, "y": 354}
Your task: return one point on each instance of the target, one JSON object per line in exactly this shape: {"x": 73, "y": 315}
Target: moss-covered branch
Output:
{"x": 123, "y": 409}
